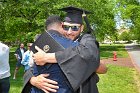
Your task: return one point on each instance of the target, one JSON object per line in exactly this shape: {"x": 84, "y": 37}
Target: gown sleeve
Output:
{"x": 26, "y": 78}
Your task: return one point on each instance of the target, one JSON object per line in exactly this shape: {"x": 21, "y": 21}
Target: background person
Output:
{"x": 19, "y": 55}
{"x": 27, "y": 60}
{"x": 4, "y": 69}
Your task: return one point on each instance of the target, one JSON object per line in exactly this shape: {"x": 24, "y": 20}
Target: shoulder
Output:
{"x": 54, "y": 32}
{"x": 4, "y": 47}
{"x": 17, "y": 50}
{"x": 57, "y": 36}
{"x": 87, "y": 37}
{"x": 27, "y": 52}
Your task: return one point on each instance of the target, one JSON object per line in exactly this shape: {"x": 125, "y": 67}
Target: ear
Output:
{"x": 82, "y": 28}
{"x": 61, "y": 30}
{"x": 62, "y": 23}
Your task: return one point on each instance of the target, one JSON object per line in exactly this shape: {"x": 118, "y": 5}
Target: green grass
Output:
{"x": 106, "y": 51}
{"x": 16, "y": 85}
{"x": 118, "y": 80}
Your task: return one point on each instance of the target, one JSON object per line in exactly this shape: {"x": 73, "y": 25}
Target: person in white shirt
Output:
{"x": 4, "y": 69}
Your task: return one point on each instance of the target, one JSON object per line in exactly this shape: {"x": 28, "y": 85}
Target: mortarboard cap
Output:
{"x": 74, "y": 15}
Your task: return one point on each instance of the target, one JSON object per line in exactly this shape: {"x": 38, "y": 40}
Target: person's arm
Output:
{"x": 26, "y": 84}
{"x": 25, "y": 59}
{"x": 102, "y": 69}
{"x": 43, "y": 83}
{"x": 17, "y": 53}
{"x": 43, "y": 58}
{"x": 39, "y": 81}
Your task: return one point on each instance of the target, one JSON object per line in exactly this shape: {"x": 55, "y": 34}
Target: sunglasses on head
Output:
{"x": 73, "y": 28}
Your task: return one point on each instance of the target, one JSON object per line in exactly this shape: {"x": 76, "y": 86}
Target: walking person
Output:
{"x": 19, "y": 55}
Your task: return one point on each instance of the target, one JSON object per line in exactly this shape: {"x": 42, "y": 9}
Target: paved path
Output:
{"x": 134, "y": 52}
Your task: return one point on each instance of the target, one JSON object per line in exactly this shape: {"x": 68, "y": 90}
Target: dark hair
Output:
{"x": 52, "y": 19}
{"x": 20, "y": 44}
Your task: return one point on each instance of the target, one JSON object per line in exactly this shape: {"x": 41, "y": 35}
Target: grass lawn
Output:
{"x": 117, "y": 80}
{"x": 16, "y": 85}
{"x": 106, "y": 51}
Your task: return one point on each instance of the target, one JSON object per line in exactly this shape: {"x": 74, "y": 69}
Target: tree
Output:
{"x": 125, "y": 36}
{"x": 22, "y": 19}
{"x": 130, "y": 9}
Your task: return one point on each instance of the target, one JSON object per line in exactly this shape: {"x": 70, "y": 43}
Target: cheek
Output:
{"x": 76, "y": 34}
{"x": 64, "y": 33}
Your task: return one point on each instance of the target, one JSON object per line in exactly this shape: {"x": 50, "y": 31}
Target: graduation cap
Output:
{"x": 74, "y": 15}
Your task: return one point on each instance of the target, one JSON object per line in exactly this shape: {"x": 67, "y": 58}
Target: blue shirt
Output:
{"x": 26, "y": 59}
{"x": 54, "y": 70}
{"x": 65, "y": 42}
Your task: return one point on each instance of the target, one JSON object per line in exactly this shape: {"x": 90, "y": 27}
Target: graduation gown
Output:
{"x": 79, "y": 64}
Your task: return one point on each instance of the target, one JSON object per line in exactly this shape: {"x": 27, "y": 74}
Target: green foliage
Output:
{"x": 125, "y": 36}
{"x": 136, "y": 33}
{"x": 131, "y": 11}
{"x": 22, "y": 18}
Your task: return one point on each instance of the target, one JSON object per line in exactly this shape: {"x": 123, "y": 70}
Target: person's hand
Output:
{"x": 102, "y": 69}
{"x": 39, "y": 57}
{"x": 44, "y": 84}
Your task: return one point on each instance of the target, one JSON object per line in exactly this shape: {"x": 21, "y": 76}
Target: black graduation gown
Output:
{"x": 79, "y": 64}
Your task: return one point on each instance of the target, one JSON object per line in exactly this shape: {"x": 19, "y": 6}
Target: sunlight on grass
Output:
{"x": 118, "y": 80}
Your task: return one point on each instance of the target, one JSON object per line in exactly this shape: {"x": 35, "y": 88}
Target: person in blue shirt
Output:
{"x": 27, "y": 60}
{"x": 54, "y": 71}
